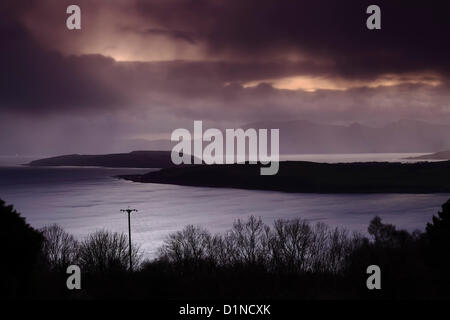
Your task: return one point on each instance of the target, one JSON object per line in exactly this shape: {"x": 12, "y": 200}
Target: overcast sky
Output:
{"x": 140, "y": 69}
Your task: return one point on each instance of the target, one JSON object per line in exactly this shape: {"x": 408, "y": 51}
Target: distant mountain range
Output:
{"x": 306, "y": 137}
{"x": 296, "y": 137}
{"x": 401, "y": 136}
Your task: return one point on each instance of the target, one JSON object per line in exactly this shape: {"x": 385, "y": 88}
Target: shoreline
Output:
{"x": 311, "y": 177}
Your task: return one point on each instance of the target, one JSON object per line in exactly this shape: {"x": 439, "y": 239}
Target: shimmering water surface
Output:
{"x": 83, "y": 200}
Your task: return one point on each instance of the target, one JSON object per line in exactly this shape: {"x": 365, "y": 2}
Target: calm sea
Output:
{"x": 83, "y": 200}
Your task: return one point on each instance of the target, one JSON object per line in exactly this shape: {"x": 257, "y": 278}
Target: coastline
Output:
{"x": 311, "y": 177}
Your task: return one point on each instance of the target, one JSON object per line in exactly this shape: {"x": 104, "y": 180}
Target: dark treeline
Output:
{"x": 290, "y": 259}
{"x": 290, "y": 246}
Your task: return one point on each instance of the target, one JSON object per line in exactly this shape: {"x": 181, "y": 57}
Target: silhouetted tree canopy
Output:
{"x": 20, "y": 249}
{"x": 290, "y": 259}
{"x": 60, "y": 248}
{"x": 439, "y": 229}
{"x": 292, "y": 246}
{"x": 438, "y": 235}
{"x": 388, "y": 235}
{"x": 105, "y": 251}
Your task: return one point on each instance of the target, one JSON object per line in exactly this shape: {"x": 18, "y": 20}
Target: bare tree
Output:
{"x": 217, "y": 250}
{"x": 319, "y": 248}
{"x": 105, "y": 251}
{"x": 291, "y": 243}
{"x": 60, "y": 248}
{"x": 192, "y": 244}
{"x": 248, "y": 242}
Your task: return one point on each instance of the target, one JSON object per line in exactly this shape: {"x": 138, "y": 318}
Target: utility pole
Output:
{"x": 129, "y": 211}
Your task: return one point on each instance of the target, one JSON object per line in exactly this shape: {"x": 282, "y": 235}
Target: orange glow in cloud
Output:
{"x": 311, "y": 84}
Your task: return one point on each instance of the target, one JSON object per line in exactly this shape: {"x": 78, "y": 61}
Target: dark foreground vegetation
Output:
{"x": 300, "y": 176}
{"x": 292, "y": 259}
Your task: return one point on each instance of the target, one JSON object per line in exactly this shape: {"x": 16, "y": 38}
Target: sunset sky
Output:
{"x": 140, "y": 69}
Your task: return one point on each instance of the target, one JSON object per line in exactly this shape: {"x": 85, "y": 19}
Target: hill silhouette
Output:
{"x": 135, "y": 159}
{"x": 300, "y": 176}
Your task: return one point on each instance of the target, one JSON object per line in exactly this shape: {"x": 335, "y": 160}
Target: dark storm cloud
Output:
{"x": 176, "y": 34}
{"x": 35, "y": 80}
{"x": 38, "y": 80}
{"x": 45, "y": 69}
{"x": 414, "y": 35}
